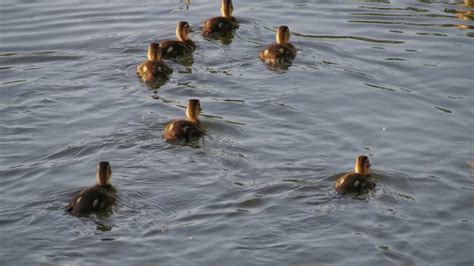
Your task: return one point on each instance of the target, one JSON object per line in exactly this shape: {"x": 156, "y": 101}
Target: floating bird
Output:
{"x": 97, "y": 198}
{"x": 184, "y": 46}
{"x": 359, "y": 180}
{"x": 221, "y": 25}
{"x": 185, "y": 129}
{"x": 280, "y": 52}
{"x": 154, "y": 68}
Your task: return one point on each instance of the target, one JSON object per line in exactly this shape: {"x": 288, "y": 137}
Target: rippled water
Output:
{"x": 392, "y": 79}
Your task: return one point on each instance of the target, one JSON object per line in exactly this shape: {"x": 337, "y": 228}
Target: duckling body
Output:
{"x": 97, "y": 198}
{"x": 172, "y": 49}
{"x": 354, "y": 183}
{"x": 91, "y": 200}
{"x": 221, "y": 25}
{"x": 151, "y": 70}
{"x": 154, "y": 68}
{"x": 280, "y": 52}
{"x": 182, "y": 130}
{"x": 183, "y": 46}
{"x": 359, "y": 180}
{"x": 187, "y": 129}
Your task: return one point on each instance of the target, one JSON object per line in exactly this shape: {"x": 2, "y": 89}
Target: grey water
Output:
{"x": 390, "y": 79}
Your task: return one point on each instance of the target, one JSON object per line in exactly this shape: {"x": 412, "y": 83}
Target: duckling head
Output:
{"x": 154, "y": 51}
{"x": 362, "y": 165}
{"x": 283, "y": 35}
{"x": 103, "y": 173}
{"x": 227, "y": 8}
{"x": 182, "y": 30}
{"x": 193, "y": 110}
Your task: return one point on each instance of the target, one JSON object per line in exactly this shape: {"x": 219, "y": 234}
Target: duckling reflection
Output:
{"x": 359, "y": 180}
{"x": 467, "y": 15}
{"x": 185, "y": 129}
{"x": 183, "y": 46}
{"x": 153, "y": 69}
{"x": 98, "y": 198}
{"x": 281, "y": 52}
{"x": 221, "y": 27}
{"x": 188, "y": 3}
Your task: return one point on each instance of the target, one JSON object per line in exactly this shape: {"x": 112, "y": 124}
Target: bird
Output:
{"x": 359, "y": 180}
{"x": 280, "y": 52}
{"x": 183, "y": 46}
{"x": 97, "y": 198}
{"x": 154, "y": 68}
{"x": 185, "y": 129}
{"x": 222, "y": 25}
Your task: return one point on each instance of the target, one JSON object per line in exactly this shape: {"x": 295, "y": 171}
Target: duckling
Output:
{"x": 153, "y": 68}
{"x": 358, "y": 181}
{"x": 221, "y": 25}
{"x": 181, "y": 47}
{"x": 280, "y": 52}
{"x": 185, "y": 129}
{"x": 97, "y": 198}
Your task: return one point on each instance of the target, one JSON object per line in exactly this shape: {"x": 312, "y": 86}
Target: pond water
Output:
{"x": 390, "y": 79}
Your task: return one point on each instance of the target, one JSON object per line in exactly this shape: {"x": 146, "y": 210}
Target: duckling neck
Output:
{"x": 225, "y": 12}
{"x": 193, "y": 119}
{"x": 181, "y": 37}
{"x": 101, "y": 183}
{"x": 281, "y": 41}
{"x": 152, "y": 56}
{"x": 359, "y": 170}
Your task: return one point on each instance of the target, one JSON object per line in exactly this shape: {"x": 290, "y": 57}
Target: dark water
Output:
{"x": 391, "y": 79}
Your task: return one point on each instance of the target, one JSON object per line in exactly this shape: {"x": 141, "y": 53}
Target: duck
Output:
{"x": 97, "y": 198}
{"x": 280, "y": 52}
{"x": 185, "y": 129}
{"x": 222, "y": 25}
{"x": 154, "y": 68}
{"x": 359, "y": 180}
{"x": 183, "y": 46}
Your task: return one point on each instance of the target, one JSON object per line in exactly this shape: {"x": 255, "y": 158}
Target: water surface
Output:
{"x": 391, "y": 79}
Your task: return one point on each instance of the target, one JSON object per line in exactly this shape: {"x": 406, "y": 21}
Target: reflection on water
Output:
{"x": 226, "y": 38}
{"x": 390, "y": 79}
{"x": 467, "y": 15}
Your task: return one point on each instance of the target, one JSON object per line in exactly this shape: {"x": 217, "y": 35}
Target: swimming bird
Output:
{"x": 154, "y": 68}
{"x": 222, "y": 25}
{"x": 97, "y": 198}
{"x": 182, "y": 47}
{"x": 280, "y": 52}
{"x": 185, "y": 129}
{"x": 359, "y": 180}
